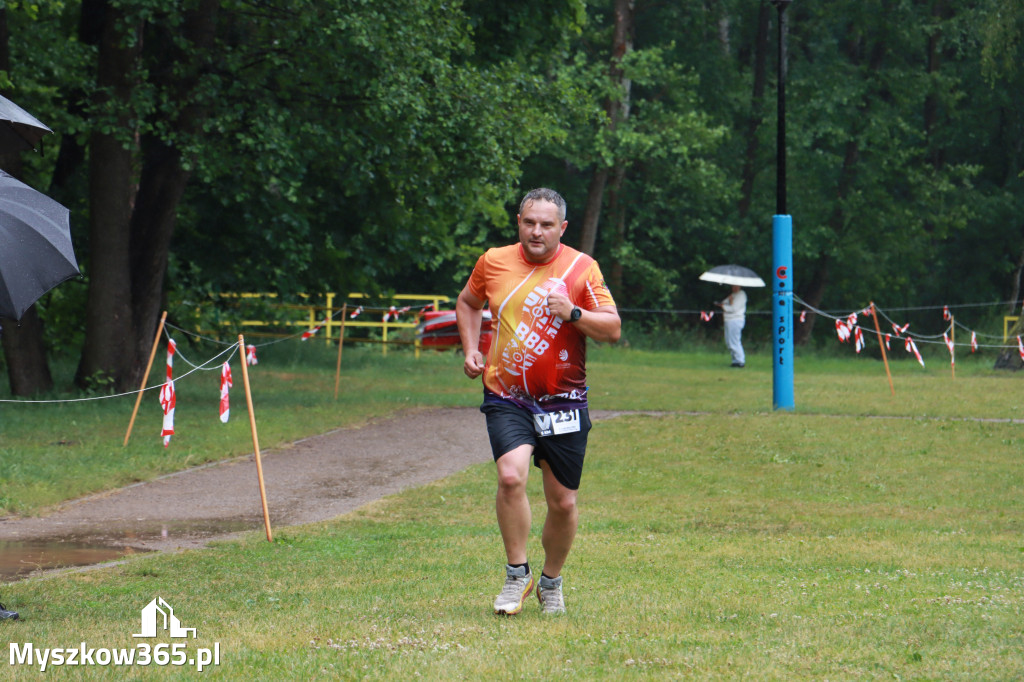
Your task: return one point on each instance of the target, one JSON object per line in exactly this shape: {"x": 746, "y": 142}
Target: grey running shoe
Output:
{"x": 518, "y": 585}
{"x": 549, "y": 592}
{"x": 7, "y": 615}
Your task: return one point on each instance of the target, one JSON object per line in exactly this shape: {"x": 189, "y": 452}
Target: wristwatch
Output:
{"x": 575, "y": 314}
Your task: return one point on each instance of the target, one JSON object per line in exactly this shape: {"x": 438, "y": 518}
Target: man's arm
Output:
{"x": 469, "y": 316}
{"x": 601, "y": 323}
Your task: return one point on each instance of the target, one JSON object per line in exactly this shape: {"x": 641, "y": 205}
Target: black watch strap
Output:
{"x": 575, "y": 314}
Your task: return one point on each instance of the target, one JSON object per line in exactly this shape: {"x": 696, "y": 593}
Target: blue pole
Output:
{"x": 782, "y": 248}
{"x": 782, "y": 312}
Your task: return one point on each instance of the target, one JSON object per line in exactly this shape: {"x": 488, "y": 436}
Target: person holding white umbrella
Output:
{"x": 734, "y": 315}
{"x": 734, "y": 306}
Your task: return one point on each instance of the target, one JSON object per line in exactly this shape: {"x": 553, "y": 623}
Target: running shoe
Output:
{"x": 7, "y": 615}
{"x": 518, "y": 585}
{"x": 549, "y": 592}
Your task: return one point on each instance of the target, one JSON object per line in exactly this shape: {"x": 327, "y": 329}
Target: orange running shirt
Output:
{"x": 536, "y": 360}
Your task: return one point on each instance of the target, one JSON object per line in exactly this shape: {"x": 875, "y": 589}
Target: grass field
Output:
{"x": 863, "y": 536}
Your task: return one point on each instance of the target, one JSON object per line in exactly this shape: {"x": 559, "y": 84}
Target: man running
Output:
{"x": 546, "y": 299}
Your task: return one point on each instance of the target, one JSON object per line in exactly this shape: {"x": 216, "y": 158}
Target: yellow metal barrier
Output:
{"x": 1008, "y": 323}
{"x": 324, "y": 315}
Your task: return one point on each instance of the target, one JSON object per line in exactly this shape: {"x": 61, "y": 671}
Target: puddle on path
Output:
{"x": 20, "y": 558}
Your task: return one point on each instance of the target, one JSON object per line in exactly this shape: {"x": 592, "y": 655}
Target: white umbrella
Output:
{"x": 733, "y": 274}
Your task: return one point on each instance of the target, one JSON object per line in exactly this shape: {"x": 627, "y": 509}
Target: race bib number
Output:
{"x": 556, "y": 423}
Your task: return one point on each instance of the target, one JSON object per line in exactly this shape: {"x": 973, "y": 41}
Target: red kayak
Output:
{"x": 439, "y": 329}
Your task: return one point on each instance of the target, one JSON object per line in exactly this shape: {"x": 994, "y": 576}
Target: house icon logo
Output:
{"x": 158, "y": 614}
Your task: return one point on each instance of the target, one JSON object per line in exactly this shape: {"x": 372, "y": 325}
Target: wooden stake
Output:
{"x": 145, "y": 377}
{"x": 881, "y": 344}
{"x": 341, "y": 343}
{"x": 255, "y": 438}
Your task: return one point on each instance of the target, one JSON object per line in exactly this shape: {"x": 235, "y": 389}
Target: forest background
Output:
{"x": 294, "y": 146}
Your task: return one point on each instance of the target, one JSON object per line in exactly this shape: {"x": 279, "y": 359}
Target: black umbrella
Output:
{"x": 733, "y": 274}
{"x": 35, "y": 246}
{"x": 19, "y": 130}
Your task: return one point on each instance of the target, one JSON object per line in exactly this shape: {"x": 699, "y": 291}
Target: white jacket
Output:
{"x": 737, "y": 309}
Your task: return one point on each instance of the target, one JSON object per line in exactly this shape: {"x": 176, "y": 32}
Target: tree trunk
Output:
{"x": 106, "y": 354}
{"x": 617, "y": 210}
{"x": 162, "y": 186}
{"x": 618, "y": 111}
{"x": 941, "y": 14}
{"x": 1018, "y": 273}
{"x": 592, "y": 210}
{"x": 28, "y": 372}
{"x": 1010, "y": 358}
{"x": 749, "y": 171}
{"x": 160, "y": 190}
{"x": 72, "y": 153}
{"x": 723, "y": 31}
{"x": 131, "y": 232}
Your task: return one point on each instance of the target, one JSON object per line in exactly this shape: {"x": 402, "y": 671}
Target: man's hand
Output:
{"x": 474, "y": 364}
{"x": 469, "y": 316}
{"x": 560, "y": 306}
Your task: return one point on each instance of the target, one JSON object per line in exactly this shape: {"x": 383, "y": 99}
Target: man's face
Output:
{"x": 540, "y": 230}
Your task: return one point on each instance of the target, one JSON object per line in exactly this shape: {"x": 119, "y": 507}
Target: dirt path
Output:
{"x": 314, "y": 479}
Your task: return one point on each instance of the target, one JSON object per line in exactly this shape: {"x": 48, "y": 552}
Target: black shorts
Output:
{"x": 509, "y": 426}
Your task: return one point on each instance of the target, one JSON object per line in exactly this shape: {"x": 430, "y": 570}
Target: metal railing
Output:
{"x": 1008, "y": 322}
{"x": 332, "y": 318}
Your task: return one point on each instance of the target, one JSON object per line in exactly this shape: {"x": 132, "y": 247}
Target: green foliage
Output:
{"x": 1002, "y": 38}
{"x": 676, "y": 190}
{"x": 383, "y": 145}
{"x": 372, "y": 140}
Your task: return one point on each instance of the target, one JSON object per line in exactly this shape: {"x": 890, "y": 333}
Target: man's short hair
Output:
{"x": 544, "y": 194}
